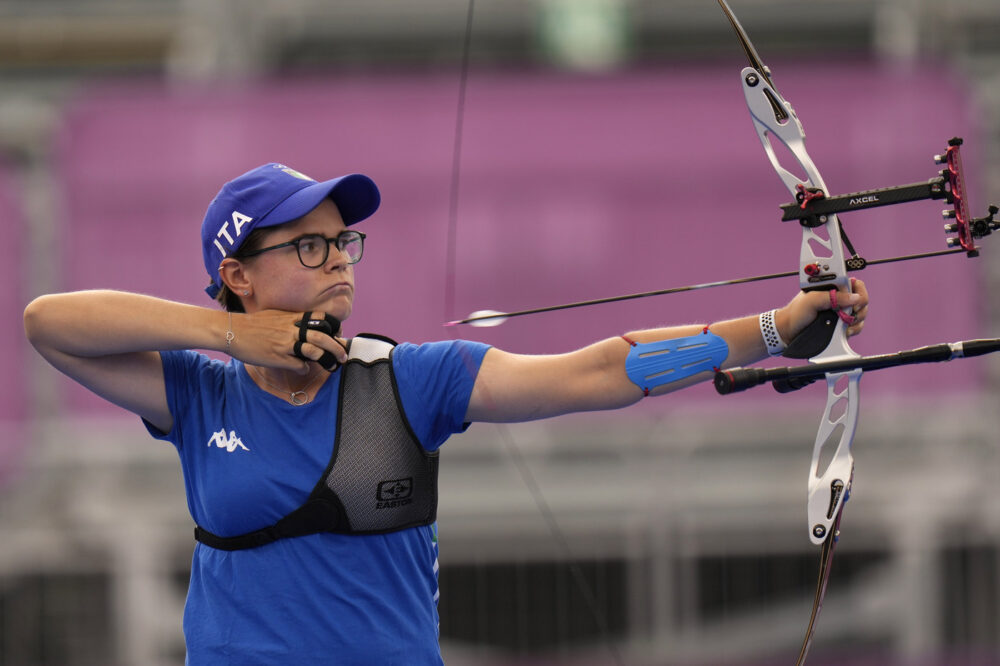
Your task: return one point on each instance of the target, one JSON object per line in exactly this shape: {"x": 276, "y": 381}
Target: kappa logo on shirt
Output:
{"x": 230, "y": 444}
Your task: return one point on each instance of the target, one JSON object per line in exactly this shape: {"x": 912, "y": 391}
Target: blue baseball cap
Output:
{"x": 270, "y": 195}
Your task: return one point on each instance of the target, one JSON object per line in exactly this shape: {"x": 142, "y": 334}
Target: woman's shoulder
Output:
{"x": 441, "y": 359}
{"x": 441, "y": 348}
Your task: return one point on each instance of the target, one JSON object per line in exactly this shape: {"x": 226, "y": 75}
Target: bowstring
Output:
{"x": 510, "y": 445}
{"x": 451, "y": 244}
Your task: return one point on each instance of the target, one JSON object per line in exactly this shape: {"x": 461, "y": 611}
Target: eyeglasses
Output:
{"x": 314, "y": 249}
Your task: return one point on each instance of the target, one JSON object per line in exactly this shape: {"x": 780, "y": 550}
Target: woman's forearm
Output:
{"x": 101, "y": 323}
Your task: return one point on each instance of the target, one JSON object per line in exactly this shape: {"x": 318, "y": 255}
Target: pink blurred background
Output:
{"x": 571, "y": 188}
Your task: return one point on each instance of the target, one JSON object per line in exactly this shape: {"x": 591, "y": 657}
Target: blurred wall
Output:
{"x": 572, "y": 187}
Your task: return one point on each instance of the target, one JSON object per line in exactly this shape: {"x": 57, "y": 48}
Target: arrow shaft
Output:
{"x": 690, "y": 287}
{"x": 628, "y": 297}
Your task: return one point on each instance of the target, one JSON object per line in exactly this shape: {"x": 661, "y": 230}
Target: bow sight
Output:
{"x": 812, "y": 207}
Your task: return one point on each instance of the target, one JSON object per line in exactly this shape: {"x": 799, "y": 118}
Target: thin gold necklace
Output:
{"x": 297, "y": 398}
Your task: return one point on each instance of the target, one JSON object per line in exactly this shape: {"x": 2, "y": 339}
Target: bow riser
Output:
{"x": 822, "y": 265}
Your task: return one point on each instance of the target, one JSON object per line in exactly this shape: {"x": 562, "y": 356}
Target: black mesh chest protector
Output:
{"x": 379, "y": 478}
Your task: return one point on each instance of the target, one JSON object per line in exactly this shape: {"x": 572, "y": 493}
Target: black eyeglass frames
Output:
{"x": 314, "y": 249}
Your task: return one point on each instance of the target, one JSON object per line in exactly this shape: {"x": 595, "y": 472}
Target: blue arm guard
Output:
{"x": 652, "y": 364}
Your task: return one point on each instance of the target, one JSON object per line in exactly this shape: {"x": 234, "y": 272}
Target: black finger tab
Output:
{"x": 328, "y": 361}
{"x": 329, "y": 325}
{"x": 303, "y": 326}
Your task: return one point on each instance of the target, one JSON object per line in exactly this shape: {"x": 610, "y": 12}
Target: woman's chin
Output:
{"x": 338, "y": 307}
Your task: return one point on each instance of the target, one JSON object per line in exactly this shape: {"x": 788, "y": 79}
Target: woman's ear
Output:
{"x": 234, "y": 276}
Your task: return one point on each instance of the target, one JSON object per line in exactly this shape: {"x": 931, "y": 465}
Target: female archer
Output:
{"x": 310, "y": 458}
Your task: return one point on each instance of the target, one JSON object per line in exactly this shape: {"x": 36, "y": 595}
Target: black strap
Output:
{"x": 317, "y": 515}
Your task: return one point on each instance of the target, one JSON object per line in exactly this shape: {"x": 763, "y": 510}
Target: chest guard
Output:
{"x": 379, "y": 479}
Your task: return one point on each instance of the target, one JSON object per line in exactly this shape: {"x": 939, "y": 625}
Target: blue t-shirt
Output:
{"x": 249, "y": 458}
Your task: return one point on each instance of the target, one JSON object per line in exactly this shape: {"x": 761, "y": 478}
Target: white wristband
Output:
{"x": 768, "y": 331}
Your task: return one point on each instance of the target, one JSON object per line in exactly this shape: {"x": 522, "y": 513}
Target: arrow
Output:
{"x": 490, "y": 318}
